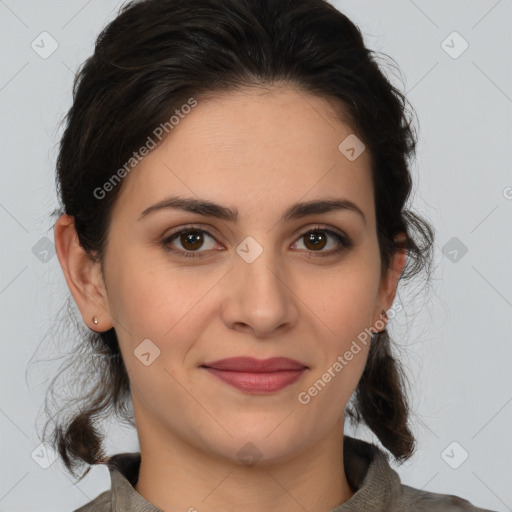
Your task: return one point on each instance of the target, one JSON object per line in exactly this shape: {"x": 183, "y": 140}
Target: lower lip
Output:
{"x": 258, "y": 382}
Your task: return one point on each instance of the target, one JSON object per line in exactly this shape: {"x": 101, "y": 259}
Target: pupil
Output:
{"x": 193, "y": 238}
{"x": 316, "y": 243}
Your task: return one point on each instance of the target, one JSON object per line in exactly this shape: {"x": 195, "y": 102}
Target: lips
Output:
{"x": 257, "y": 376}
{"x": 252, "y": 365}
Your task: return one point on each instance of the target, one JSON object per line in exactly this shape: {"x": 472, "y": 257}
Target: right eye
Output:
{"x": 191, "y": 240}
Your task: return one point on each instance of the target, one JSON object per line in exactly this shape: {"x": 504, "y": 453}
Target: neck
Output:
{"x": 175, "y": 475}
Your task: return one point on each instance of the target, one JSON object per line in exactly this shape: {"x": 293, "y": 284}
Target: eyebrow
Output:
{"x": 210, "y": 209}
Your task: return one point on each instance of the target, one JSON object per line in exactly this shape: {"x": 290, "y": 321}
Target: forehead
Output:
{"x": 253, "y": 149}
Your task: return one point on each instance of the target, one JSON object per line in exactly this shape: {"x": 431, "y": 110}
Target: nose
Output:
{"x": 259, "y": 296}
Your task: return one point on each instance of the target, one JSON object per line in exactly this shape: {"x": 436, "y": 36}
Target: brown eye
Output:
{"x": 191, "y": 240}
{"x": 315, "y": 240}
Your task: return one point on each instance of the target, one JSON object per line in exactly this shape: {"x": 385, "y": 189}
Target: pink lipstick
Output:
{"x": 255, "y": 375}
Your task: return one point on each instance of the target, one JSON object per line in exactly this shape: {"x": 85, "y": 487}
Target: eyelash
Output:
{"x": 345, "y": 242}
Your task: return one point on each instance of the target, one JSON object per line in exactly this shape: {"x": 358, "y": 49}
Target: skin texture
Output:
{"x": 259, "y": 151}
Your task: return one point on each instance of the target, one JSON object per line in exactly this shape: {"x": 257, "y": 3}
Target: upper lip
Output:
{"x": 250, "y": 364}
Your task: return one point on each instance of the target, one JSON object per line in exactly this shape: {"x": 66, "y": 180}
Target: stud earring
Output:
{"x": 95, "y": 320}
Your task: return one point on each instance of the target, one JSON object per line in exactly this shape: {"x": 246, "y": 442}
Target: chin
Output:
{"x": 257, "y": 447}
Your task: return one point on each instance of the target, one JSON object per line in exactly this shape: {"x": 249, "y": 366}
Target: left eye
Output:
{"x": 315, "y": 239}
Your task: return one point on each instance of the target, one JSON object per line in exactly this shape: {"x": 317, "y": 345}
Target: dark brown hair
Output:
{"x": 153, "y": 57}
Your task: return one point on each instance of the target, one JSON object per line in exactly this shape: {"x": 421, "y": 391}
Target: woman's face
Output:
{"x": 257, "y": 287}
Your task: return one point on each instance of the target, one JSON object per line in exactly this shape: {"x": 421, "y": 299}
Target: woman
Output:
{"x": 233, "y": 178}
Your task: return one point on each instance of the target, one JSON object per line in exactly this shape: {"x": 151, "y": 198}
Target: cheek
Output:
{"x": 153, "y": 299}
{"x": 346, "y": 300}
{"x": 327, "y": 392}
{"x": 342, "y": 311}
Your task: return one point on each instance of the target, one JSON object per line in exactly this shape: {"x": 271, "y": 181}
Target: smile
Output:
{"x": 258, "y": 382}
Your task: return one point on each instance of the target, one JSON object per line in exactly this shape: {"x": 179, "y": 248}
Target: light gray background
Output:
{"x": 456, "y": 336}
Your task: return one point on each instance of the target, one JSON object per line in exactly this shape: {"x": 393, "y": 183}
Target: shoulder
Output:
{"x": 102, "y": 503}
{"x": 378, "y": 485}
{"x": 124, "y": 470}
{"x": 424, "y": 501}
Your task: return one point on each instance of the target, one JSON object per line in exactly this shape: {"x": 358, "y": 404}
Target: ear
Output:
{"x": 83, "y": 275}
{"x": 389, "y": 282}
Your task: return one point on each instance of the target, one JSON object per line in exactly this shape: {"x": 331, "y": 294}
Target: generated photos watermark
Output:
{"x": 304, "y": 397}
{"x": 159, "y": 132}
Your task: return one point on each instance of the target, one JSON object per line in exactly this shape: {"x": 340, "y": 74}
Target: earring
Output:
{"x": 95, "y": 320}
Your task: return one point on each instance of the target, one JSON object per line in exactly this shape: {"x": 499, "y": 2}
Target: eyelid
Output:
{"x": 298, "y": 232}
{"x": 345, "y": 242}
{"x": 319, "y": 226}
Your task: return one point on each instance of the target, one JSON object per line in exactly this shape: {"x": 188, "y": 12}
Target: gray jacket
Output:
{"x": 378, "y": 487}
